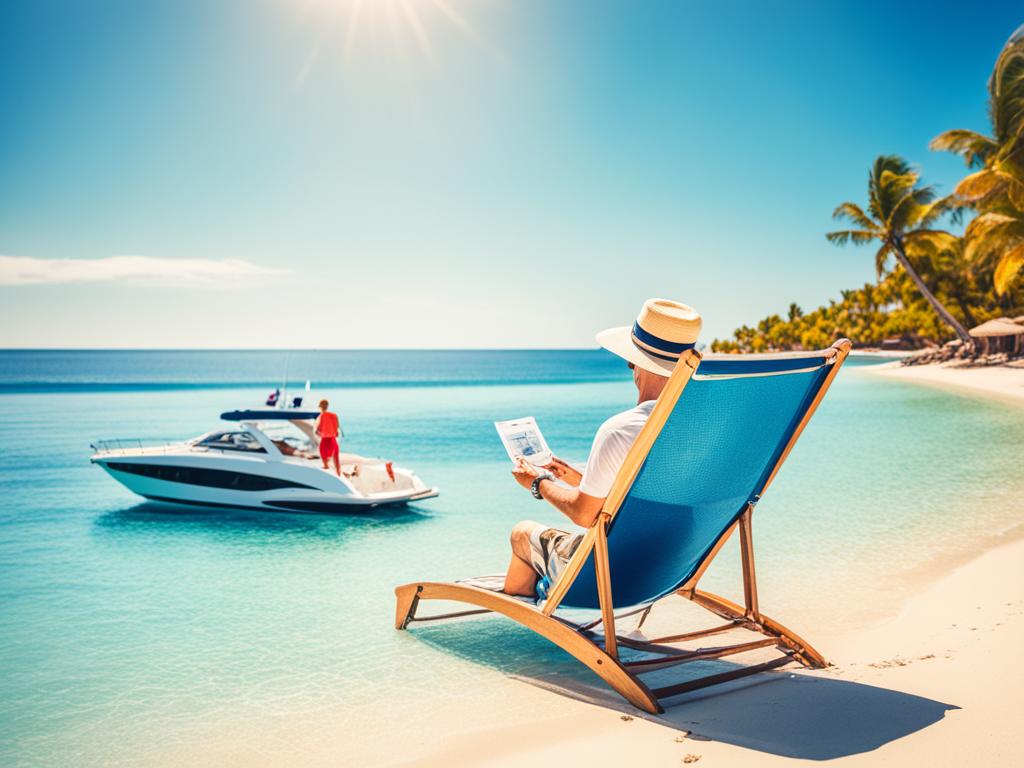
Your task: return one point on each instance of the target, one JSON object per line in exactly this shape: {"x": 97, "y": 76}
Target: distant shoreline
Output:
{"x": 875, "y": 352}
{"x": 999, "y": 382}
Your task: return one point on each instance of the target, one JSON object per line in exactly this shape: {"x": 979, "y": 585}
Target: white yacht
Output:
{"x": 267, "y": 459}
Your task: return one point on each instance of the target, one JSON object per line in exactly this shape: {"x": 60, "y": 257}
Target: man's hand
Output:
{"x": 564, "y": 471}
{"x": 525, "y": 473}
{"x": 571, "y": 502}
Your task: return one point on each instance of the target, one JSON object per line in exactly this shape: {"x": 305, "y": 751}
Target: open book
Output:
{"x": 522, "y": 437}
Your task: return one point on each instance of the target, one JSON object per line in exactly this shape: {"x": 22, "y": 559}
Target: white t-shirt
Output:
{"x": 611, "y": 444}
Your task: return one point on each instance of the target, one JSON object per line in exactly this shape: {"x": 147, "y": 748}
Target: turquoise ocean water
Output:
{"x": 133, "y": 634}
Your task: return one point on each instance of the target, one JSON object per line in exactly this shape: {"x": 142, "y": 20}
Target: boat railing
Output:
{"x": 123, "y": 445}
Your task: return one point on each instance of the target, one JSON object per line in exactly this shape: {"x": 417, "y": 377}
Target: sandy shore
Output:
{"x": 1003, "y": 382}
{"x": 936, "y": 685}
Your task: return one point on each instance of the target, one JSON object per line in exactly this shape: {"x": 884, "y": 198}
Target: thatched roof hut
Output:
{"x": 1001, "y": 326}
{"x": 1000, "y": 335}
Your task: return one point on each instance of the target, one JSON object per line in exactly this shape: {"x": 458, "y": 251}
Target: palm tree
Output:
{"x": 899, "y": 216}
{"x": 956, "y": 279}
{"x": 997, "y": 189}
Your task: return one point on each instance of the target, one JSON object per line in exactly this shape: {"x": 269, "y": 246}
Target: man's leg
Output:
{"x": 520, "y": 579}
{"x": 336, "y": 457}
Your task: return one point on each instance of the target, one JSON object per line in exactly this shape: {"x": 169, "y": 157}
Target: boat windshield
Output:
{"x": 231, "y": 441}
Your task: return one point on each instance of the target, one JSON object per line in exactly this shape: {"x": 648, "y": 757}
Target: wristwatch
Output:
{"x": 535, "y": 487}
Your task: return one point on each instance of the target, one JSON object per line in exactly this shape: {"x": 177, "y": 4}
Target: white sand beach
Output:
{"x": 937, "y": 684}
{"x": 1003, "y": 381}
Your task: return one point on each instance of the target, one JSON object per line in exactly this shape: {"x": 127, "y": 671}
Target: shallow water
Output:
{"x": 132, "y": 634}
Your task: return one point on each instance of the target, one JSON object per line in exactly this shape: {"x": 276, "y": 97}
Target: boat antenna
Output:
{"x": 284, "y": 390}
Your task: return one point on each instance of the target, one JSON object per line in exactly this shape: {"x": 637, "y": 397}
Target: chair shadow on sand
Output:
{"x": 787, "y": 713}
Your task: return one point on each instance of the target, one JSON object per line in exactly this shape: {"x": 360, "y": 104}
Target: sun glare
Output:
{"x": 408, "y": 23}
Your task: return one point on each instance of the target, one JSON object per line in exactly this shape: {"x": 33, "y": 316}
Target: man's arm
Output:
{"x": 571, "y": 502}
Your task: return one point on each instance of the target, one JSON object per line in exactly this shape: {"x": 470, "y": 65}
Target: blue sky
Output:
{"x": 451, "y": 173}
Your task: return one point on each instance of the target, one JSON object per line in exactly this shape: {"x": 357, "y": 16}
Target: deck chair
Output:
{"x": 714, "y": 442}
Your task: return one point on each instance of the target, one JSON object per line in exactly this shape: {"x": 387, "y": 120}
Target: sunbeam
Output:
{"x": 417, "y": 28}
{"x": 353, "y": 25}
{"x": 408, "y": 20}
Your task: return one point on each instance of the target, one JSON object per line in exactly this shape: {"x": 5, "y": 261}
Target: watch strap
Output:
{"x": 535, "y": 486}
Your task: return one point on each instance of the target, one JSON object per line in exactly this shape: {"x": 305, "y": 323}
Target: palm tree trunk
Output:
{"x": 941, "y": 311}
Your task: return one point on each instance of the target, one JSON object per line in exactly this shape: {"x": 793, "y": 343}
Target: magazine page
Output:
{"x": 522, "y": 437}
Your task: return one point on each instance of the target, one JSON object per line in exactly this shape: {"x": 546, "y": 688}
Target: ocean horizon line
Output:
{"x": 59, "y": 387}
{"x": 594, "y": 348}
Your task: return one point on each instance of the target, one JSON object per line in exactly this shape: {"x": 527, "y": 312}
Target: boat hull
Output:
{"x": 184, "y": 480}
{"x": 307, "y": 507}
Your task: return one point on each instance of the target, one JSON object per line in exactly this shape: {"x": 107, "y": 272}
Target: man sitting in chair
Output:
{"x": 651, "y": 347}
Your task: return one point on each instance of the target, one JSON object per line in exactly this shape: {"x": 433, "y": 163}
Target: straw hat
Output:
{"x": 662, "y": 332}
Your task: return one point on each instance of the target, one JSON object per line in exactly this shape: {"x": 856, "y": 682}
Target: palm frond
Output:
{"x": 972, "y": 146}
{"x": 882, "y": 258}
{"x": 1006, "y": 90}
{"x": 855, "y": 214}
{"x": 1009, "y": 266}
{"x": 933, "y": 211}
{"x": 983, "y": 223}
{"x": 931, "y": 242}
{"x": 881, "y": 195}
{"x": 992, "y": 233}
{"x": 1008, "y": 158}
{"x": 909, "y": 209}
{"x": 855, "y": 236}
{"x": 978, "y": 185}
{"x": 1015, "y": 191}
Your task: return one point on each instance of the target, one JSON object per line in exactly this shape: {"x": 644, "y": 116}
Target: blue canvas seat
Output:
{"x": 718, "y": 434}
{"x": 710, "y": 460}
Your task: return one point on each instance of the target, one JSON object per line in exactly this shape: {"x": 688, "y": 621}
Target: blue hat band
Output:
{"x": 657, "y": 346}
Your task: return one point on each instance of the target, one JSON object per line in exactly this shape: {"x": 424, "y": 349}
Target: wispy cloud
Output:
{"x": 209, "y": 273}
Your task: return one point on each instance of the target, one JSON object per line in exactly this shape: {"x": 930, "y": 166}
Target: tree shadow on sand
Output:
{"x": 812, "y": 716}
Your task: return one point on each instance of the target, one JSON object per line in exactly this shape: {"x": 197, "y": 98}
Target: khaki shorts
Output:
{"x": 550, "y": 551}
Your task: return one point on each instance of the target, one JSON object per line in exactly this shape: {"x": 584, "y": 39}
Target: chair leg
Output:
{"x": 803, "y": 651}
{"x": 561, "y": 634}
{"x": 405, "y": 608}
{"x": 749, "y": 616}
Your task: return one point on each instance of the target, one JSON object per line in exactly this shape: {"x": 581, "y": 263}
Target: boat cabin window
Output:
{"x": 232, "y": 441}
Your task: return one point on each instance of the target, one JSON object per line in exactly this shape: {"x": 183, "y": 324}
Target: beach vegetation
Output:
{"x": 899, "y": 220}
{"x": 995, "y": 189}
{"x": 932, "y": 285}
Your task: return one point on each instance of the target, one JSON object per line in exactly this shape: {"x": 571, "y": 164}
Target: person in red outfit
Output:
{"x": 327, "y": 428}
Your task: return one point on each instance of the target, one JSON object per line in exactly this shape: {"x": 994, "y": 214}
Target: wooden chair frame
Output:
{"x": 581, "y": 643}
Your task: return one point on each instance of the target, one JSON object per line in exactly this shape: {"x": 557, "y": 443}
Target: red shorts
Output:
{"x": 329, "y": 448}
